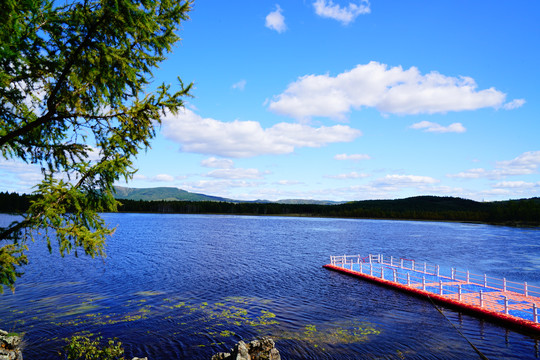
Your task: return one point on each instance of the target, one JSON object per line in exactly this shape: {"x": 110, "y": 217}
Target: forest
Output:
{"x": 522, "y": 212}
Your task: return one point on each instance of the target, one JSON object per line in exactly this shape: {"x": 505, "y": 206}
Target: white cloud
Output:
{"x": 163, "y": 178}
{"x": 217, "y": 163}
{"x": 404, "y": 181}
{"x": 495, "y": 192}
{"x": 276, "y": 21}
{"x": 288, "y": 182}
{"x": 16, "y": 166}
{"x": 355, "y": 157}
{"x": 390, "y": 186}
{"x": 351, "y": 175}
{"x": 525, "y": 164}
{"x": 514, "y": 104}
{"x": 19, "y": 176}
{"x": 235, "y": 174}
{"x": 219, "y": 187}
{"x": 225, "y": 170}
{"x": 240, "y": 85}
{"x": 30, "y": 177}
{"x": 516, "y": 185}
{"x": 429, "y": 126}
{"x": 34, "y": 96}
{"x": 470, "y": 174}
{"x": 94, "y": 154}
{"x": 240, "y": 139}
{"x": 345, "y": 15}
{"x": 389, "y": 90}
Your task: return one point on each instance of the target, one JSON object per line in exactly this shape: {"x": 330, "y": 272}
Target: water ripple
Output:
{"x": 185, "y": 286}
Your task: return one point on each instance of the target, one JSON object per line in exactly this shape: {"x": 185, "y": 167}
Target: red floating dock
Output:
{"x": 505, "y": 302}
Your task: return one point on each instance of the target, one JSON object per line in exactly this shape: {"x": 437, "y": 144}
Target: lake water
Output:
{"x": 188, "y": 286}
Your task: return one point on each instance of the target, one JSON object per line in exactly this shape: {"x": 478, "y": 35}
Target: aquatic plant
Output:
{"x": 149, "y": 293}
{"x": 226, "y": 333}
{"x": 82, "y": 347}
{"x": 210, "y": 322}
{"x": 331, "y": 333}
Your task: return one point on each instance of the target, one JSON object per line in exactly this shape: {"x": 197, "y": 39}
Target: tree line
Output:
{"x": 511, "y": 212}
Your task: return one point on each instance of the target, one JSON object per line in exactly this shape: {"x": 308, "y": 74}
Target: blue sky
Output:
{"x": 350, "y": 100}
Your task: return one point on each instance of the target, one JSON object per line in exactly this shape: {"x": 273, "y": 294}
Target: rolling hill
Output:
{"x": 175, "y": 194}
{"x": 163, "y": 194}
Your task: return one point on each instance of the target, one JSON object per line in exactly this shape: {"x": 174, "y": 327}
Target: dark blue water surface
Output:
{"x": 188, "y": 286}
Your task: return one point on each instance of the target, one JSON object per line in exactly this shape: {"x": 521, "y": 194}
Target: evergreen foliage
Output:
{"x": 512, "y": 212}
{"x": 76, "y": 99}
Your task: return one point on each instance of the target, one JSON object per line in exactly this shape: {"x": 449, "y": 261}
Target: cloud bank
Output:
{"x": 391, "y": 90}
{"x": 242, "y": 139}
{"x": 524, "y": 164}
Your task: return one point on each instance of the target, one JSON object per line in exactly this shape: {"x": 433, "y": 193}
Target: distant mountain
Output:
{"x": 175, "y": 194}
{"x": 163, "y": 193}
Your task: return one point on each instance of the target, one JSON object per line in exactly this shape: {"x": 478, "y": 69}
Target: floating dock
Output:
{"x": 505, "y": 302}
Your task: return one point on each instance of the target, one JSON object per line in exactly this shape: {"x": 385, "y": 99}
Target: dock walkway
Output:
{"x": 511, "y": 303}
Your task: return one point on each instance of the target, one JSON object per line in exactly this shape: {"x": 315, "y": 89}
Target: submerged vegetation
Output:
{"x": 207, "y": 323}
{"x": 333, "y": 333}
{"x": 85, "y": 348}
{"x": 523, "y": 212}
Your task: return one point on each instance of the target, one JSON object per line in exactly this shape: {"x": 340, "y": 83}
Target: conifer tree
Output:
{"x": 77, "y": 99}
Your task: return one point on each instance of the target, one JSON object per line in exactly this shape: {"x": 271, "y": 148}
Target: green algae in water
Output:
{"x": 145, "y": 309}
{"x": 332, "y": 333}
{"x": 226, "y": 333}
{"x": 310, "y": 330}
{"x": 267, "y": 318}
{"x": 247, "y": 300}
{"x": 80, "y": 309}
{"x": 209, "y": 322}
{"x": 149, "y": 293}
{"x": 220, "y": 320}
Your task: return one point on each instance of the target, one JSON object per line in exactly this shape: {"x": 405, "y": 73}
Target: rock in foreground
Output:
{"x": 260, "y": 349}
{"x": 10, "y": 346}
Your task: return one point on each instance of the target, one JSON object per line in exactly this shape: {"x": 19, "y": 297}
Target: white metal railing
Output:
{"x": 415, "y": 274}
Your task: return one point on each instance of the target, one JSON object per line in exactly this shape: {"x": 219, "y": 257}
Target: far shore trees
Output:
{"x": 77, "y": 99}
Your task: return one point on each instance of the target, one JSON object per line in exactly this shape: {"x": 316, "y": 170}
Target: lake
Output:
{"x": 188, "y": 286}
